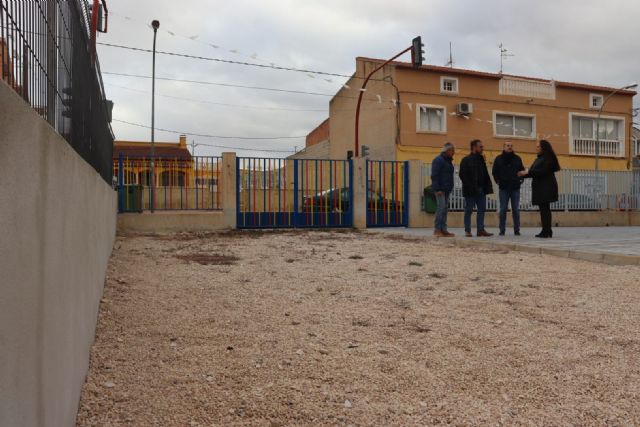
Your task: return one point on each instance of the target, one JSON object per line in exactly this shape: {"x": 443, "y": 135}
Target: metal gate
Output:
{"x": 287, "y": 193}
{"x": 387, "y": 193}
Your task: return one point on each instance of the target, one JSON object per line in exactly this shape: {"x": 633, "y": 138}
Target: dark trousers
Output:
{"x": 504, "y": 197}
{"x": 545, "y": 217}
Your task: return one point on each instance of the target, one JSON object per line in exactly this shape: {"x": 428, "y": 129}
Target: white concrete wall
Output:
{"x": 57, "y": 228}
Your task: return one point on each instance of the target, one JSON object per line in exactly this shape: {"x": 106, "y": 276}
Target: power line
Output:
{"x": 210, "y": 136}
{"x": 218, "y": 103}
{"x": 299, "y": 92}
{"x": 243, "y": 106}
{"x": 219, "y": 84}
{"x": 226, "y": 61}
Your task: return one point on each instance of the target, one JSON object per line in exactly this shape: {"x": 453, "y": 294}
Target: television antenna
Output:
{"x": 450, "y": 61}
{"x": 504, "y": 55}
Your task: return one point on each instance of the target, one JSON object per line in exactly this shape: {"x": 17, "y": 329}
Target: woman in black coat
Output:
{"x": 544, "y": 186}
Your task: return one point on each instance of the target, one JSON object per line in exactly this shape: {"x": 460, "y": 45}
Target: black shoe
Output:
{"x": 516, "y": 233}
{"x": 501, "y": 233}
{"x": 542, "y": 235}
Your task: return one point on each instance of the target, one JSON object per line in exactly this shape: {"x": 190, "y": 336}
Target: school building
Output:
{"x": 410, "y": 113}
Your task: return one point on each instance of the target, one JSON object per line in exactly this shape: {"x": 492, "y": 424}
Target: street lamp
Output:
{"x": 604, "y": 101}
{"x": 155, "y": 24}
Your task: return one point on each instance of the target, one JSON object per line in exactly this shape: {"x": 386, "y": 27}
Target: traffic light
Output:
{"x": 417, "y": 52}
{"x": 349, "y": 154}
{"x": 365, "y": 151}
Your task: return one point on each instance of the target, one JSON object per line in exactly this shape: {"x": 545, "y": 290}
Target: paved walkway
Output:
{"x": 617, "y": 243}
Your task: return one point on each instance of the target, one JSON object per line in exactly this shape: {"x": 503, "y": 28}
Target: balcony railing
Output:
{"x": 587, "y": 147}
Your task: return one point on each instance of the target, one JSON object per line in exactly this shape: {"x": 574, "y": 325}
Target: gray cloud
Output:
{"x": 583, "y": 41}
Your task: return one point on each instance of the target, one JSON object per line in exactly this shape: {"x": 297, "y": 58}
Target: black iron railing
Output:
{"x": 46, "y": 56}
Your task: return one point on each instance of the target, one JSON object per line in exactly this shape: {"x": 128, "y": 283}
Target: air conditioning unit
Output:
{"x": 464, "y": 108}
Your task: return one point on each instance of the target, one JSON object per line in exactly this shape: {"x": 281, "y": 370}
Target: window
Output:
{"x": 432, "y": 118}
{"x": 512, "y": 125}
{"x": 448, "y": 85}
{"x": 587, "y": 128}
{"x": 595, "y": 100}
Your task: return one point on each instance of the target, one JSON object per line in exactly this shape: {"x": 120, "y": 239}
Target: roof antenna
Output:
{"x": 503, "y": 55}
{"x": 450, "y": 61}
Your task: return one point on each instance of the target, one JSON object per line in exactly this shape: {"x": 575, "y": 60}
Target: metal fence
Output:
{"x": 276, "y": 193}
{"x": 46, "y": 56}
{"x": 179, "y": 184}
{"x": 579, "y": 190}
{"x": 387, "y": 193}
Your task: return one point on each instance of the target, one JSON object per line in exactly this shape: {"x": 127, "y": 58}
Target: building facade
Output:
{"x": 410, "y": 113}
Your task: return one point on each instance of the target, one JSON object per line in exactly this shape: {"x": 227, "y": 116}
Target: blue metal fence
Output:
{"x": 387, "y": 193}
{"x": 287, "y": 193}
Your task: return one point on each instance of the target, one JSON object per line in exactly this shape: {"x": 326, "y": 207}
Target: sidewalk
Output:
{"x": 611, "y": 245}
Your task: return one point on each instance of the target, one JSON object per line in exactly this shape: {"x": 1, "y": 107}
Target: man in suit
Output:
{"x": 476, "y": 185}
{"x": 505, "y": 173}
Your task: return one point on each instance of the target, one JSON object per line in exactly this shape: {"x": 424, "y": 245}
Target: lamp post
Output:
{"x": 155, "y": 24}
{"x": 604, "y": 101}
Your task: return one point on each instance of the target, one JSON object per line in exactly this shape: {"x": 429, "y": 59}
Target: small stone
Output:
{"x": 323, "y": 351}
{"x": 209, "y": 378}
{"x": 299, "y": 352}
{"x": 286, "y": 314}
{"x": 119, "y": 340}
{"x": 295, "y": 322}
{"x": 109, "y": 384}
{"x": 173, "y": 344}
{"x": 383, "y": 351}
{"x": 348, "y": 404}
{"x": 423, "y": 404}
{"x": 229, "y": 348}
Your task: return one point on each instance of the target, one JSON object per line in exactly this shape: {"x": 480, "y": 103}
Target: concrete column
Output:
{"x": 415, "y": 192}
{"x": 229, "y": 195}
{"x": 359, "y": 192}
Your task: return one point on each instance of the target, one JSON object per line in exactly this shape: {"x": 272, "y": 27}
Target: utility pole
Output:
{"x": 155, "y": 24}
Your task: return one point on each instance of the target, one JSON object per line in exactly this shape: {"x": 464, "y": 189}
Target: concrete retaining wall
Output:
{"x": 172, "y": 221}
{"x": 58, "y": 220}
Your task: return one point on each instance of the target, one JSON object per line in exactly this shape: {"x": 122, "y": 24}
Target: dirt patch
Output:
{"x": 467, "y": 338}
{"x": 209, "y": 259}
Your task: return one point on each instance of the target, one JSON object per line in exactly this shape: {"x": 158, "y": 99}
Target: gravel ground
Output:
{"x": 345, "y": 328}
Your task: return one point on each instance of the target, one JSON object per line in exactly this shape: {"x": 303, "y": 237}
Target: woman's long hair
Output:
{"x": 549, "y": 154}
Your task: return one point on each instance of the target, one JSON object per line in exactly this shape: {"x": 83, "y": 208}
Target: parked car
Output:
{"x": 332, "y": 200}
{"x": 338, "y": 200}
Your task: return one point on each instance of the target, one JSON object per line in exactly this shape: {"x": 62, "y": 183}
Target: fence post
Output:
{"x": 295, "y": 193}
{"x": 415, "y": 192}
{"x": 230, "y": 182}
{"x": 359, "y": 195}
{"x": 121, "y": 183}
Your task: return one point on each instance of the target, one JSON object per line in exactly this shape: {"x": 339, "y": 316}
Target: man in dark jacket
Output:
{"x": 476, "y": 184}
{"x": 442, "y": 184}
{"x": 505, "y": 173}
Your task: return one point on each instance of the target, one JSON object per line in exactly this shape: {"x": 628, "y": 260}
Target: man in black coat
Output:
{"x": 476, "y": 184}
{"x": 505, "y": 172}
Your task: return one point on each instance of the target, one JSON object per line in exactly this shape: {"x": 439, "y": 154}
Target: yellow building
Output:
{"x": 410, "y": 113}
{"x": 182, "y": 181}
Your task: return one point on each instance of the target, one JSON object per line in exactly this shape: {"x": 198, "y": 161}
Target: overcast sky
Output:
{"x": 587, "y": 41}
